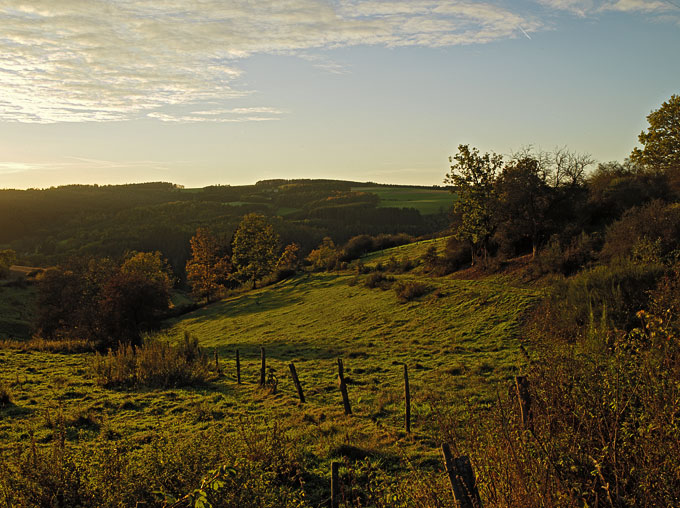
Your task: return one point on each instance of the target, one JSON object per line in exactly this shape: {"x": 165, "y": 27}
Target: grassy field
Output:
{"x": 426, "y": 201}
{"x": 460, "y": 342}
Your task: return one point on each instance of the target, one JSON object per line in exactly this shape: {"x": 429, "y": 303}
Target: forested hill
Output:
{"x": 47, "y": 226}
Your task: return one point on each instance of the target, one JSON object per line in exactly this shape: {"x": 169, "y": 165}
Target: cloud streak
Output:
{"x": 585, "y": 8}
{"x": 116, "y": 60}
{"x": 97, "y": 60}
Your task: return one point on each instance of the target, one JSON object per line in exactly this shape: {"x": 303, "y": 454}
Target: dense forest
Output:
{"x": 48, "y": 226}
{"x": 538, "y": 321}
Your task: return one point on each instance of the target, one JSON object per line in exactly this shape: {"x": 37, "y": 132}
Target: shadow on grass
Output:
{"x": 284, "y": 294}
{"x": 11, "y": 410}
{"x": 280, "y": 350}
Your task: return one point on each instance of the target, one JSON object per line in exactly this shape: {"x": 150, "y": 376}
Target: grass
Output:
{"x": 426, "y": 201}
{"x": 411, "y": 250}
{"x": 460, "y": 341}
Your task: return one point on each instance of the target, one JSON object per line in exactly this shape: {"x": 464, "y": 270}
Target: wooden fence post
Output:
{"x": 217, "y": 362}
{"x": 343, "y": 388}
{"x": 263, "y": 367}
{"x": 335, "y": 485}
{"x": 238, "y": 368}
{"x": 296, "y": 381}
{"x": 407, "y": 399}
{"x": 524, "y": 398}
{"x": 462, "y": 479}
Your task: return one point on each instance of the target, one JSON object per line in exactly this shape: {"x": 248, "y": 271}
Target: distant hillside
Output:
{"x": 47, "y": 226}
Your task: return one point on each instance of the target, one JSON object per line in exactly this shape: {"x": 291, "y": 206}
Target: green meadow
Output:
{"x": 426, "y": 201}
{"x": 460, "y": 342}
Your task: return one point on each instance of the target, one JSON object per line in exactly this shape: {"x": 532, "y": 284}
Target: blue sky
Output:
{"x": 231, "y": 92}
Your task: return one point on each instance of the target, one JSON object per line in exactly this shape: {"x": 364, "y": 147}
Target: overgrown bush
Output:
{"x": 379, "y": 280}
{"x": 455, "y": 256}
{"x": 605, "y": 428}
{"x": 410, "y": 290}
{"x": 154, "y": 364}
{"x": 605, "y": 297}
{"x": 656, "y": 222}
{"x": 363, "y": 244}
{"x": 262, "y": 466}
{"x": 579, "y": 253}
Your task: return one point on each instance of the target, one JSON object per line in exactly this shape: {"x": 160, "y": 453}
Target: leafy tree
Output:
{"x": 7, "y": 259}
{"x": 661, "y": 142}
{"x": 208, "y": 270}
{"x": 130, "y": 302}
{"x": 473, "y": 176}
{"x": 289, "y": 262}
{"x": 523, "y": 199}
{"x": 255, "y": 248}
{"x": 150, "y": 265}
{"x": 325, "y": 256}
{"x": 100, "y": 301}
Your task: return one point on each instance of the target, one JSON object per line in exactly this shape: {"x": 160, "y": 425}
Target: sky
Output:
{"x": 204, "y": 92}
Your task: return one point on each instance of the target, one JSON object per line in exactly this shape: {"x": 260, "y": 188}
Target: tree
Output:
{"x": 473, "y": 179}
{"x": 289, "y": 262}
{"x": 325, "y": 256}
{"x": 523, "y": 200}
{"x": 100, "y": 301}
{"x": 150, "y": 265}
{"x": 661, "y": 142}
{"x": 7, "y": 258}
{"x": 209, "y": 268}
{"x": 255, "y": 248}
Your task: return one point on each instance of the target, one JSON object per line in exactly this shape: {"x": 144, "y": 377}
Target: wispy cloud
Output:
{"x": 111, "y": 60}
{"x": 594, "y": 7}
{"x": 75, "y": 163}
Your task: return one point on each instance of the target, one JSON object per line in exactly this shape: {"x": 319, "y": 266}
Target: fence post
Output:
{"x": 296, "y": 381}
{"x": 335, "y": 485}
{"x": 407, "y": 399}
{"x": 238, "y": 368}
{"x": 524, "y": 398}
{"x": 462, "y": 479}
{"x": 263, "y": 367}
{"x": 217, "y": 362}
{"x": 343, "y": 388}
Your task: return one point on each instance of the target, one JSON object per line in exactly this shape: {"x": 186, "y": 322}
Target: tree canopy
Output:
{"x": 255, "y": 248}
{"x": 209, "y": 267}
{"x": 473, "y": 176}
{"x": 661, "y": 141}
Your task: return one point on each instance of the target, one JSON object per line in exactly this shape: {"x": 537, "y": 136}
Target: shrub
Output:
{"x": 407, "y": 291}
{"x": 378, "y": 280}
{"x": 359, "y": 245}
{"x": 260, "y": 465}
{"x": 580, "y": 253}
{"x": 656, "y": 222}
{"x": 154, "y": 364}
{"x": 605, "y": 296}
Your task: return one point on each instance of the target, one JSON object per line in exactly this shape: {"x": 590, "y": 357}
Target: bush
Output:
{"x": 407, "y": 291}
{"x": 656, "y": 222}
{"x": 455, "y": 256}
{"x": 605, "y": 296}
{"x": 363, "y": 244}
{"x": 580, "y": 253}
{"x": 259, "y": 466}
{"x": 154, "y": 364}
{"x": 378, "y": 280}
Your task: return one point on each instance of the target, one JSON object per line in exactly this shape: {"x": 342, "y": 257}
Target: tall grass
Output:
{"x": 154, "y": 364}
